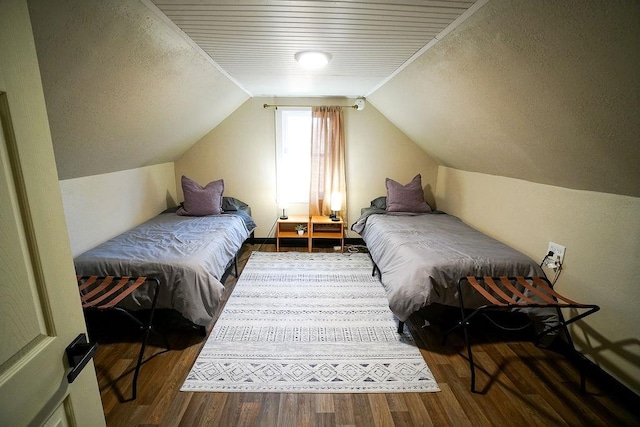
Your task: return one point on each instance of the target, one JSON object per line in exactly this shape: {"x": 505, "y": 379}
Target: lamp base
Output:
{"x": 284, "y": 217}
{"x": 335, "y": 218}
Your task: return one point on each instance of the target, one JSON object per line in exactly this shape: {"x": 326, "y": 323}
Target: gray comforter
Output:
{"x": 188, "y": 255}
{"x": 422, "y": 256}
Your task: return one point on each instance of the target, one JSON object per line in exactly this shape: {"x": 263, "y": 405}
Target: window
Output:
{"x": 293, "y": 154}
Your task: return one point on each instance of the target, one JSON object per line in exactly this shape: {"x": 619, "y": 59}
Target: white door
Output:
{"x": 40, "y": 312}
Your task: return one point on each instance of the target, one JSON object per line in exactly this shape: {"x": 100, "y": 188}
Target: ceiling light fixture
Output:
{"x": 312, "y": 58}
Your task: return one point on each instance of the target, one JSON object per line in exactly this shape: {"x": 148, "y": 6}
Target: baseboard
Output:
{"x": 354, "y": 241}
{"x": 303, "y": 243}
{"x": 623, "y": 394}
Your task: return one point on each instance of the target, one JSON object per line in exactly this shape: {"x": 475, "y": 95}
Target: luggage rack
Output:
{"x": 106, "y": 292}
{"x": 506, "y": 293}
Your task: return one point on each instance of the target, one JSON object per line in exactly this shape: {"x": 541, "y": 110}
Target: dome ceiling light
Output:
{"x": 312, "y": 59}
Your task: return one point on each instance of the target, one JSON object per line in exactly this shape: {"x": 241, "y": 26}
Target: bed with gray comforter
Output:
{"x": 189, "y": 255}
{"x": 421, "y": 257}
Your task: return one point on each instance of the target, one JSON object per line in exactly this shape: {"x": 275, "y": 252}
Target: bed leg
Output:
{"x": 235, "y": 265}
{"x": 400, "y": 327}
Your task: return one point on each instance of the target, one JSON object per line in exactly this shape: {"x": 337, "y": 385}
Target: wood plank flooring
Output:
{"x": 520, "y": 384}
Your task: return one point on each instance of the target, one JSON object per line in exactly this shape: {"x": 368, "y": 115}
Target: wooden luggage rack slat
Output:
{"x": 106, "y": 292}
{"x": 506, "y": 293}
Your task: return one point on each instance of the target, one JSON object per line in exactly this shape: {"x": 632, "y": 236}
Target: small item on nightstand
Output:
{"x": 336, "y": 205}
{"x": 282, "y": 204}
{"x": 301, "y": 228}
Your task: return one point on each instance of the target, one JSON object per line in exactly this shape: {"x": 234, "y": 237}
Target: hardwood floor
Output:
{"x": 520, "y": 384}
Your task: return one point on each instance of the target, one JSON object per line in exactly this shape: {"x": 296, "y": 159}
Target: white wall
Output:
{"x": 241, "y": 150}
{"x": 100, "y": 207}
{"x": 602, "y": 235}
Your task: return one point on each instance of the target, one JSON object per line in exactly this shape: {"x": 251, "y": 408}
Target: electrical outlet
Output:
{"x": 558, "y": 251}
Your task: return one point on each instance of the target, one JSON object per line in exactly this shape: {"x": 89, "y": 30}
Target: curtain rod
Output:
{"x": 293, "y": 106}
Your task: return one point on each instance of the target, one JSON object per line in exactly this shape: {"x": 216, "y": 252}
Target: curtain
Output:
{"x": 328, "y": 169}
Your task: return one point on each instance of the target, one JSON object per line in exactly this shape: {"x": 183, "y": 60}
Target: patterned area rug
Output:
{"x": 308, "y": 323}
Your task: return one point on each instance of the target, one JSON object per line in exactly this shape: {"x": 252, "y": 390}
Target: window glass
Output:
{"x": 293, "y": 154}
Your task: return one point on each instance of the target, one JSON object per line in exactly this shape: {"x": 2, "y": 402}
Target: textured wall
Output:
{"x": 602, "y": 235}
{"x": 118, "y": 201}
{"x": 123, "y": 89}
{"x": 242, "y": 151}
{"x": 545, "y": 91}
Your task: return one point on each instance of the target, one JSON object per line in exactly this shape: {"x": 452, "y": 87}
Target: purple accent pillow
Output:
{"x": 406, "y": 198}
{"x": 201, "y": 201}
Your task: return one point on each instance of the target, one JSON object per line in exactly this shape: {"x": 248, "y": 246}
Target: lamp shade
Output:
{"x": 336, "y": 201}
{"x": 283, "y": 201}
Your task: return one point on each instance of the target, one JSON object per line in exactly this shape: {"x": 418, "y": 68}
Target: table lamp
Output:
{"x": 336, "y": 205}
{"x": 283, "y": 205}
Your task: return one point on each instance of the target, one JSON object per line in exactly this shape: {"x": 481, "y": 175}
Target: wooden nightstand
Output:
{"x": 286, "y": 229}
{"x": 322, "y": 227}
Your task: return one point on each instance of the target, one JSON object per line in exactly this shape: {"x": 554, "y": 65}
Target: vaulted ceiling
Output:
{"x": 255, "y": 41}
{"x": 547, "y": 92}
{"x": 542, "y": 91}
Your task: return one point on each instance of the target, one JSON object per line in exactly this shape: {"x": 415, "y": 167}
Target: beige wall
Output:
{"x": 545, "y": 91}
{"x": 602, "y": 235}
{"x": 123, "y": 88}
{"x": 242, "y": 151}
{"x": 100, "y": 207}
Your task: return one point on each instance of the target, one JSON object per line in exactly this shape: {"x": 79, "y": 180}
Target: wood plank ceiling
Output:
{"x": 254, "y": 41}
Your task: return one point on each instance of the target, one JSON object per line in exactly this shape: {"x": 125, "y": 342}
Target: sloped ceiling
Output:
{"x": 122, "y": 89}
{"x": 125, "y": 87}
{"x": 548, "y": 92}
{"x": 545, "y": 91}
{"x": 255, "y": 40}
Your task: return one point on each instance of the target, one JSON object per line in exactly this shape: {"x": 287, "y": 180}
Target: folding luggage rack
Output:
{"x": 106, "y": 292}
{"x": 506, "y": 293}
